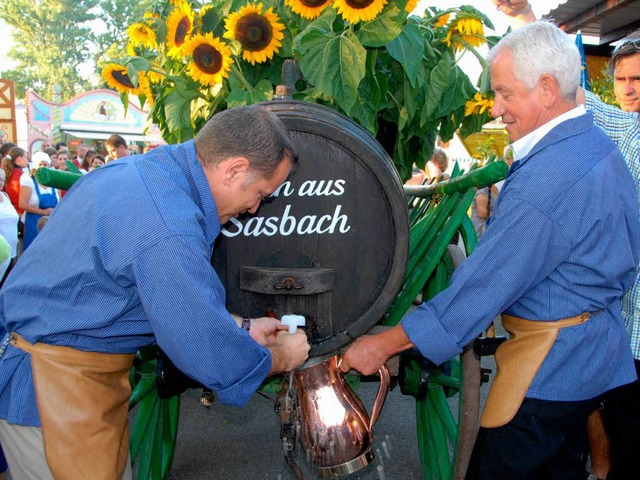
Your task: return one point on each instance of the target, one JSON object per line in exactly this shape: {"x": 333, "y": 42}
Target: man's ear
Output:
{"x": 550, "y": 89}
{"x": 235, "y": 169}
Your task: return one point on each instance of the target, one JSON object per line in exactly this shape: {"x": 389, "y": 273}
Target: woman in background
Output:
{"x": 36, "y": 200}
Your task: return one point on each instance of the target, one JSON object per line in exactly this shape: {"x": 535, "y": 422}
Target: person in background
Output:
{"x": 122, "y": 263}
{"x": 8, "y": 228}
{"x": 81, "y": 151}
{"x": 36, "y": 200}
{"x": 61, "y": 163}
{"x": 485, "y": 200}
{"x": 435, "y": 169}
{"x": 4, "y": 149}
{"x": 559, "y": 251}
{"x": 88, "y": 157}
{"x": 97, "y": 162}
{"x": 13, "y": 164}
{"x": 44, "y": 145}
{"x": 116, "y": 147}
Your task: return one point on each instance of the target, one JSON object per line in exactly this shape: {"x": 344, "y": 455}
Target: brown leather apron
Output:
{"x": 518, "y": 360}
{"x": 83, "y": 400}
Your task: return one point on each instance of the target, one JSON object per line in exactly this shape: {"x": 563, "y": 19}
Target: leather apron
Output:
{"x": 518, "y": 360}
{"x": 83, "y": 400}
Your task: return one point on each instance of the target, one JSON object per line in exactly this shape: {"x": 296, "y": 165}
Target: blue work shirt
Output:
{"x": 564, "y": 239}
{"x": 123, "y": 262}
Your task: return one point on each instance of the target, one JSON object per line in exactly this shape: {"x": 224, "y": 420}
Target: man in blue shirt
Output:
{"x": 123, "y": 262}
{"x": 562, "y": 247}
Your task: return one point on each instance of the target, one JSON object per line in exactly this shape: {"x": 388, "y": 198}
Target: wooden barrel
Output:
{"x": 332, "y": 243}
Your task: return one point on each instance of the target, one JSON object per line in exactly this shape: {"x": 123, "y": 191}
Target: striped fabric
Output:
{"x": 563, "y": 239}
{"x": 624, "y": 129}
{"x": 125, "y": 261}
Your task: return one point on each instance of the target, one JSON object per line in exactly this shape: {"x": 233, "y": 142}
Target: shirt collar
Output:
{"x": 524, "y": 145}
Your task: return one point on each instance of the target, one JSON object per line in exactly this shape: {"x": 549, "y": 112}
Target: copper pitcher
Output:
{"x": 335, "y": 429}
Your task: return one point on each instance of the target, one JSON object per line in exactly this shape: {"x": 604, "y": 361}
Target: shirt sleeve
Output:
{"x": 521, "y": 246}
{"x": 184, "y": 301}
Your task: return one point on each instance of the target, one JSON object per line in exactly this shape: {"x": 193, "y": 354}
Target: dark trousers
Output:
{"x": 622, "y": 422}
{"x": 545, "y": 440}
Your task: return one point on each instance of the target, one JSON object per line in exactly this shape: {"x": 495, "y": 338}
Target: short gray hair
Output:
{"x": 540, "y": 48}
{"x": 250, "y": 131}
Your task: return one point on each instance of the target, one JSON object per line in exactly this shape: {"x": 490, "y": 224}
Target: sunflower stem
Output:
{"x": 240, "y": 76}
{"x": 468, "y": 46}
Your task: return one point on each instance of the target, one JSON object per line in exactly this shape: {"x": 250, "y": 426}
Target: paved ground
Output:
{"x": 226, "y": 443}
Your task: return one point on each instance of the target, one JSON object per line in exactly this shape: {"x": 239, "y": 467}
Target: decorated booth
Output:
{"x": 89, "y": 117}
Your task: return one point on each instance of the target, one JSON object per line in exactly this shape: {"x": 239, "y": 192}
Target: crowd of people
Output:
{"x": 562, "y": 244}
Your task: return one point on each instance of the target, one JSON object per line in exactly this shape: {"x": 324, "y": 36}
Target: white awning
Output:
{"x": 103, "y": 135}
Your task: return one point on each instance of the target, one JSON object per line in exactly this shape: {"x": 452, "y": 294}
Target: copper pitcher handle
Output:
{"x": 381, "y": 396}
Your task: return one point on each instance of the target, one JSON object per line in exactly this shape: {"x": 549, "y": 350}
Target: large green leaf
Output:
{"x": 370, "y": 100}
{"x": 262, "y": 92}
{"x": 438, "y": 84}
{"x": 177, "y": 106}
{"x": 454, "y": 97}
{"x": 384, "y": 28}
{"x": 407, "y": 48}
{"x": 334, "y": 63}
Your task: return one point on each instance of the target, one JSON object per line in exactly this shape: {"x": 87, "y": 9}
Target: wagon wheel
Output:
{"x": 445, "y": 437}
{"x": 155, "y": 426}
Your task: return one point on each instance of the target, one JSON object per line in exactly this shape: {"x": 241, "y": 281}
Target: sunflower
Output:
{"x": 354, "y": 11}
{"x": 144, "y": 88}
{"x": 478, "y": 105}
{"x": 442, "y": 20}
{"x": 117, "y": 77}
{"x": 211, "y": 59}
{"x": 259, "y": 33}
{"x": 154, "y": 77}
{"x": 467, "y": 28}
{"x": 310, "y": 9}
{"x": 411, "y": 6}
{"x": 151, "y": 17}
{"x": 179, "y": 27}
{"x": 141, "y": 34}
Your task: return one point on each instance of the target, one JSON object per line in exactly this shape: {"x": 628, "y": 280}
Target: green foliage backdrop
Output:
{"x": 394, "y": 73}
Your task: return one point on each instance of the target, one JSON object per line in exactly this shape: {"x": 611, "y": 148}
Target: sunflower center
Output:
{"x": 254, "y": 32}
{"x": 207, "y": 59}
{"x": 122, "y": 78}
{"x": 182, "y": 30}
{"x": 359, "y": 4}
{"x": 313, "y": 3}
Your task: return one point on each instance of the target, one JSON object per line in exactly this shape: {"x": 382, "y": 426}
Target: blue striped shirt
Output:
{"x": 123, "y": 262}
{"x": 624, "y": 129}
{"x": 564, "y": 239}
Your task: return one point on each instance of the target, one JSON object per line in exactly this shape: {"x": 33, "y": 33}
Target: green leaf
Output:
{"x": 139, "y": 64}
{"x": 335, "y": 64}
{"x": 370, "y": 100}
{"x": 407, "y": 48}
{"x": 438, "y": 84}
{"x": 384, "y": 28}
{"x": 262, "y": 92}
{"x": 177, "y": 105}
{"x": 457, "y": 94}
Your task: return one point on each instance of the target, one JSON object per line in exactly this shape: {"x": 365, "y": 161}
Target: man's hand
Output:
{"x": 288, "y": 351}
{"x": 519, "y": 11}
{"x": 512, "y": 7}
{"x": 364, "y": 355}
{"x": 370, "y": 352}
{"x": 264, "y": 330}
